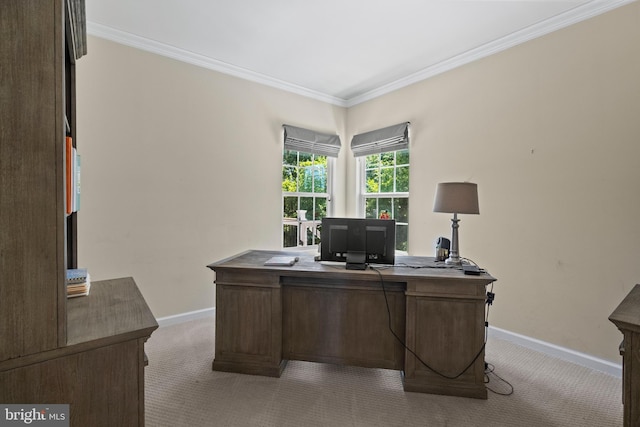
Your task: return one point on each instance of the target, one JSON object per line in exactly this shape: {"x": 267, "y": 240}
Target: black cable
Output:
{"x": 490, "y": 370}
{"x": 384, "y": 291}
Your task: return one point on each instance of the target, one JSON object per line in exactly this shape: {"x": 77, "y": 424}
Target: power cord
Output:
{"x": 489, "y": 369}
{"x": 450, "y": 377}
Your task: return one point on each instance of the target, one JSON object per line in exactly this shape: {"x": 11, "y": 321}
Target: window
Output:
{"x": 307, "y": 160}
{"x": 383, "y": 177}
{"x": 305, "y": 191}
{"x": 385, "y": 190}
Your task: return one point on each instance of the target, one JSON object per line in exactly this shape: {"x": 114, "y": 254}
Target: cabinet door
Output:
{"x": 32, "y": 299}
{"x": 248, "y": 324}
{"x": 445, "y": 327}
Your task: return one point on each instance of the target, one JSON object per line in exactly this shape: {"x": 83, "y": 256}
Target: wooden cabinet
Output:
{"x": 32, "y": 213}
{"x": 39, "y": 44}
{"x": 627, "y": 318}
{"x": 88, "y": 351}
{"x": 100, "y": 372}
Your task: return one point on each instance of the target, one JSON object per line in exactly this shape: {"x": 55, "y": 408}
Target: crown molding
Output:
{"x": 570, "y": 17}
{"x": 142, "y": 43}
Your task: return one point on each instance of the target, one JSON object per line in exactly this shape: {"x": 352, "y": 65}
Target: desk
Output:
{"x": 310, "y": 311}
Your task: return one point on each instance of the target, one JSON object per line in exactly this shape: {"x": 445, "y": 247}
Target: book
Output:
{"x": 79, "y": 284}
{"x": 77, "y": 183}
{"x": 76, "y": 275}
{"x": 69, "y": 174}
{"x": 78, "y": 290}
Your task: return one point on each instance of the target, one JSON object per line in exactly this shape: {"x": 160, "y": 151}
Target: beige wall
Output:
{"x": 549, "y": 130}
{"x": 181, "y": 166}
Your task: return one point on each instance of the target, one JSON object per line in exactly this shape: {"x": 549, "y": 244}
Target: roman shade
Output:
{"x": 383, "y": 140}
{"x": 308, "y": 141}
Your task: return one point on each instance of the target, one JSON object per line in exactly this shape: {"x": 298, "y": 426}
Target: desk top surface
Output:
{"x": 405, "y": 267}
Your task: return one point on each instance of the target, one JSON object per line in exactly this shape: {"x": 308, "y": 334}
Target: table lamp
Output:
{"x": 456, "y": 198}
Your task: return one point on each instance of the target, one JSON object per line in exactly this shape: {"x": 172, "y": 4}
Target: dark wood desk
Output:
{"x": 311, "y": 311}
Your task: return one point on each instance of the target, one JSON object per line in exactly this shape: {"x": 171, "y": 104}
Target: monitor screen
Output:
{"x": 358, "y": 241}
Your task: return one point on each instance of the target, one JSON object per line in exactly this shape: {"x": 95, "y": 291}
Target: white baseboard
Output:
{"x": 558, "y": 352}
{"x": 185, "y": 317}
{"x": 524, "y": 341}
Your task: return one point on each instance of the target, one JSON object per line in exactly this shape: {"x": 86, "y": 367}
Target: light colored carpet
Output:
{"x": 182, "y": 390}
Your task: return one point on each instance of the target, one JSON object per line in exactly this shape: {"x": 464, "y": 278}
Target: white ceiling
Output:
{"x": 339, "y": 51}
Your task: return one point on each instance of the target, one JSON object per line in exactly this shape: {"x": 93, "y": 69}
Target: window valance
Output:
{"x": 308, "y": 141}
{"x": 383, "y": 140}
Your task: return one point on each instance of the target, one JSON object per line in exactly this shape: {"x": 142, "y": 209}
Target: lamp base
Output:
{"x": 453, "y": 261}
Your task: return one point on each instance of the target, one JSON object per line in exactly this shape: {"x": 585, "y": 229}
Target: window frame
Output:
{"x": 362, "y": 195}
{"x": 328, "y": 194}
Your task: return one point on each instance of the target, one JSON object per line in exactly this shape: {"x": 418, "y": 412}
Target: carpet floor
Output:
{"x": 182, "y": 390}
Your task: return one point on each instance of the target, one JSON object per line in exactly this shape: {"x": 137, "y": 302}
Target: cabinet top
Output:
{"x": 627, "y": 314}
{"x": 114, "y": 310}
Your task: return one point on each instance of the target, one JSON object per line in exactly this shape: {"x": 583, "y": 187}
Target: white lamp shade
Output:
{"x": 456, "y": 197}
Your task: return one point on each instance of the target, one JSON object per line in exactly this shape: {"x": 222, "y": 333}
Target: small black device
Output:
{"x": 471, "y": 269}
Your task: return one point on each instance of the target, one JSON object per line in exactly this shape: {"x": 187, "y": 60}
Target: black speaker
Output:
{"x": 442, "y": 248}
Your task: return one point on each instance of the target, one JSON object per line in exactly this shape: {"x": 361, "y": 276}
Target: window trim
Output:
{"x": 331, "y": 175}
{"x": 362, "y": 195}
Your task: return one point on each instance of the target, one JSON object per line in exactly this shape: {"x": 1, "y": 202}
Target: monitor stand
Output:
{"x": 356, "y": 261}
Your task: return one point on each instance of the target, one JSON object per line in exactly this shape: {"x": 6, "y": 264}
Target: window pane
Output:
{"x": 320, "y": 208}
{"x": 290, "y": 158}
{"x": 320, "y": 179}
{"x": 306, "y": 203}
{"x": 305, "y": 184}
{"x": 402, "y": 157}
{"x": 384, "y": 204}
{"x": 387, "y": 159}
{"x": 289, "y": 236}
{"x": 402, "y": 237}
{"x": 290, "y": 205}
{"x": 305, "y": 158}
{"x": 402, "y": 179}
{"x": 401, "y": 209}
{"x": 373, "y": 177}
{"x": 289, "y": 175}
{"x": 371, "y": 208}
{"x": 386, "y": 180}
{"x": 372, "y": 161}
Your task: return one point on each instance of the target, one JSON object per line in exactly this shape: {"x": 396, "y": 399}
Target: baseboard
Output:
{"x": 185, "y": 317}
{"x": 558, "y": 352}
{"x": 527, "y": 342}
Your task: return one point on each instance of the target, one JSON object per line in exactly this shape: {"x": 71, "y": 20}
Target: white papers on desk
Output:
{"x": 282, "y": 260}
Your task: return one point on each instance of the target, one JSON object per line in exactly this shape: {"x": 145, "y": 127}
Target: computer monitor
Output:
{"x": 358, "y": 241}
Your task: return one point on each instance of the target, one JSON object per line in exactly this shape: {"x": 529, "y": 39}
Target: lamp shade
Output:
{"x": 456, "y": 197}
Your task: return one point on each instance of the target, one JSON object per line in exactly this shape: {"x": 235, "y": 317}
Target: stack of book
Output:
{"x": 78, "y": 282}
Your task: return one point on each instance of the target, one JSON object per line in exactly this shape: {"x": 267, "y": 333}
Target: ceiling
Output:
{"x": 340, "y": 51}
